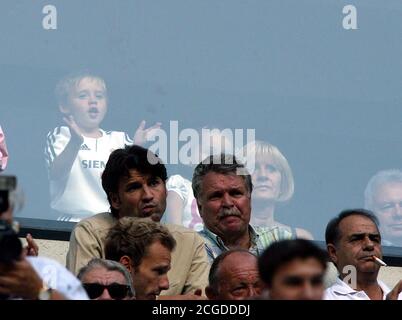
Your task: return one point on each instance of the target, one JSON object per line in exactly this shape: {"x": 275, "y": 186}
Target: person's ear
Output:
{"x": 127, "y": 263}
{"x": 115, "y": 200}
{"x": 209, "y": 292}
{"x": 332, "y": 252}
{"x": 64, "y": 110}
{"x": 199, "y": 207}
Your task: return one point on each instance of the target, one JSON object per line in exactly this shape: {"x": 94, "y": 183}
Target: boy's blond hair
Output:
{"x": 66, "y": 84}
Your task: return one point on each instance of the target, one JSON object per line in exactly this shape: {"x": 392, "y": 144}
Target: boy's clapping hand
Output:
{"x": 75, "y": 131}
{"x": 143, "y": 135}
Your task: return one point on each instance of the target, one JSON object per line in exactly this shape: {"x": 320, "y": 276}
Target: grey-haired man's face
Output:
{"x": 224, "y": 204}
{"x": 387, "y": 204}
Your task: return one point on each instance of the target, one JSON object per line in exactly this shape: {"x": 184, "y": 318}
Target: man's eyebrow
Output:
{"x": 215, "y": 192}
{"x": 133, "y": 184}
{"x": 237, "y": 188}
{"x": 363, "y": 234}
{"x": 162, "y": 268}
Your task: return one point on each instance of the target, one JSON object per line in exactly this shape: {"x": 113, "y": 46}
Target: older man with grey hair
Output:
{"x": 222, "y": 187}
{"x": 383, "y": 196}
{"x": 106, "y": 280}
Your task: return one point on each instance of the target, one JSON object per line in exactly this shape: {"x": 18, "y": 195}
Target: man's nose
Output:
{"x": 307, "y": 291}
{"x": 147, "y": 194}
{"x": 368, "y": 244}
{"x": 227, "y": 200}
{"x": 164, "y": 282}
{"x": 253, "y": 291}
{"x": 398, "y": 210}
{"x": 105, "y": 295}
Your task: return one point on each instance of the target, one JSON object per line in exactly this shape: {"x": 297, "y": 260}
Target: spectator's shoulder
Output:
{"x": 98, "y": 223}
{"x": 181, "y": 233}
{"x": 175, "y": 228}
{"x": 59, "y": 131}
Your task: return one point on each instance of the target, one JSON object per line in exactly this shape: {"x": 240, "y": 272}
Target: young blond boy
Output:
{"x": 76, "y": 154}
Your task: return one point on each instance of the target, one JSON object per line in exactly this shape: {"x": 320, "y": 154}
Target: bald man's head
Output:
{"x": 234, "y": 276}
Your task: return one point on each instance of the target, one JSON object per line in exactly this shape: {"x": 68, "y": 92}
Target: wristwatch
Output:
{"x": 45, "y": 292}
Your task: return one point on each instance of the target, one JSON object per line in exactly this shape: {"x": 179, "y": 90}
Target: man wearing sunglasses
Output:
{"x": 293, "y": 270}
{"x": 106, "y": 280}
{"x": 134, "y": 180}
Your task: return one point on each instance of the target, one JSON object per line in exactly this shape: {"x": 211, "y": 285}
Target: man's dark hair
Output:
{"x": 282, "y": 252}
{"x": 224, "y": 164}
{"x": 332, "y": 232}
{"x": 121, "y": 161}
{"x": 214, "y": 276}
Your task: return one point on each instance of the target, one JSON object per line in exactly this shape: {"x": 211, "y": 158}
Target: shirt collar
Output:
{"x": 342, "y": 288}
{"x": 210, "y": 234}
{"x": 253, "y": 236}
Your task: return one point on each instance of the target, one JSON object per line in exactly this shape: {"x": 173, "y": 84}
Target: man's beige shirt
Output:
{"x": 189, "y": 269}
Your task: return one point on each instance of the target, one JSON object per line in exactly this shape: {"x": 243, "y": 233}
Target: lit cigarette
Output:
{"x": 379, "y": 261}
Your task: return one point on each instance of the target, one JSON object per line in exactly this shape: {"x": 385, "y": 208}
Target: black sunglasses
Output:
{"x": 116, "y": 291}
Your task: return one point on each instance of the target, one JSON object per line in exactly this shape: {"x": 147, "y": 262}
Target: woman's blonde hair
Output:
{"x": 264, "y": 149}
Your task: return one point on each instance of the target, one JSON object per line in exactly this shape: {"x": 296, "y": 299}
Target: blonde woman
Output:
{"x": 272, "y": 183}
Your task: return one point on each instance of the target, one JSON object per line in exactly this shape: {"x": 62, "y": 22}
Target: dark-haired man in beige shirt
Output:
{"x": 134, "y": 181}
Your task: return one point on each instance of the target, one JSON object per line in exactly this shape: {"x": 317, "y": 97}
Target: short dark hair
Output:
{"x": 214, "y": 277}
{"x": 282, "y": 252}
{"x": 332, "y": 232}
{"x": 132, "y": 237}
{"x": 224, "y": 164}
{"x": 121, "y": 161}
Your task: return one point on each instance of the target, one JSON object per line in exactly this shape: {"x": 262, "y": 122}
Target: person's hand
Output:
{"x": 143, "y": 135}
{"x": 197, "y": 295}
{"x": 32, "y": 248}
{"x": 75, "y": 131}
{"x": 20, "y": 280}
{"x": 394, "y": 293}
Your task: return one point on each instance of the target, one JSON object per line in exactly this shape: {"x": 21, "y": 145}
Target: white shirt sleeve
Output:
{"x": 56, "y": 141}
{"x": 177, "y": 184}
